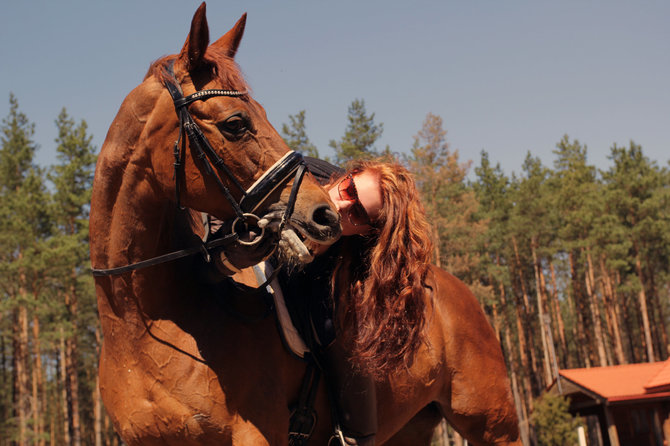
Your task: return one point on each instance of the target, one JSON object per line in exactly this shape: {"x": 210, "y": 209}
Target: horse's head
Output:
{"x": 228, "y": 160}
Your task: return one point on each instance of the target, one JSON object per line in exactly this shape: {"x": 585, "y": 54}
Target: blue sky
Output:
{"x": 507, "y": 77}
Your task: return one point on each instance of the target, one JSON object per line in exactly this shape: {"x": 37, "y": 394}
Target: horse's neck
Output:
{"x": 130, "y": 224}
{"x": 133, "y": 214}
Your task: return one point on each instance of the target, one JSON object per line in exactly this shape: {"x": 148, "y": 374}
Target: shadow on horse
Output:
{"x": 176, "y": 367}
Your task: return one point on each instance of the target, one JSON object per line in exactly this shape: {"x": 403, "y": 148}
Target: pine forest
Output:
{"x": 570, "y": 263}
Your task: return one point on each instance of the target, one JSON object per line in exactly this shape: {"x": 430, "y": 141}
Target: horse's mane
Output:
{"x": 384, "y": 305}
{"x": 221, "y": 66}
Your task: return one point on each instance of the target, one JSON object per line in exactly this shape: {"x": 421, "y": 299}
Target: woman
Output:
{"x": 364, "y": 298}
{"x": 383, "y": 256}
{"x": 362, "y": 303}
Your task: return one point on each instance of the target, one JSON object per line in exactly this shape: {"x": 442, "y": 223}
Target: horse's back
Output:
{"x": 476, "y": 399}
{"x": 469, "y": 330}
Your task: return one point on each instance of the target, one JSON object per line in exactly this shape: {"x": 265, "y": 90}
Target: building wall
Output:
{"x": 641, "y": 424}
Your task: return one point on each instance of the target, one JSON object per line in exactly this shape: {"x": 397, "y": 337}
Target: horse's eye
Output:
{"x": 234, "y": 125}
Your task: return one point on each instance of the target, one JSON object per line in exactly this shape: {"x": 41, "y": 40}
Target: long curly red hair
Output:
{"x": 383, "y": 299}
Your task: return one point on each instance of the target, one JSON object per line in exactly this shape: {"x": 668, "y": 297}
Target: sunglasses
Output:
{"x": 357, "y": 214}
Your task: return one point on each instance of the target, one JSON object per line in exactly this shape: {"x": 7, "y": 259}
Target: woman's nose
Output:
{"x": 342, "y": 205}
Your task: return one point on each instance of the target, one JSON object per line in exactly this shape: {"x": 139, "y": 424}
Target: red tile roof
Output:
{"x": 661, "y": 381}
{"x": 623, "y": 382}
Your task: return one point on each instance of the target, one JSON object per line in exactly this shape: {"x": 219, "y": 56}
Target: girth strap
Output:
{"x": 303, "y": 418}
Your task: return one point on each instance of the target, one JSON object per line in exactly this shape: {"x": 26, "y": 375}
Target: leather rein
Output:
{"x": 290, "y": 165}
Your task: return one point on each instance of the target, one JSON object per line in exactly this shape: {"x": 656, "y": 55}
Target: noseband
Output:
{"x": 251, "y": 198}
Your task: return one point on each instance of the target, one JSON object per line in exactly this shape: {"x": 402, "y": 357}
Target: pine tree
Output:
{"x": 430, "y": 162}
{"x": 450, "y": 205}
{"x": 531, "y": 227}
{"x": 360, "y": 135}
{"x": 23, "y": 229}
{"x": 552, "y": 423}
{"x": 72, "y": 179}
{"x": 577, "y": 198}
{"x": 518, "y": 258}
{"x": 295, "y": 136}
{"x": 494, "y": 192}
{"x": 637, "y": 198}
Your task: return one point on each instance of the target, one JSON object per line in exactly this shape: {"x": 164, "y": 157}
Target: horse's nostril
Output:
{"x": 325, "y": 216}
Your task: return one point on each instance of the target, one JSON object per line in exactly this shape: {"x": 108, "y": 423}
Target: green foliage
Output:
{"x": 24, "y": 221}
{"x": 552, "y": 423}
{"x": 575, "y": 192}
{"x": 492, "y": 191}
{"x": 18, "y": 148}
{"x": 295, "y": 136}
{"x": 451, "y": 207}
{"x": 44, "y": 266}
{"x": 637, "y": 202}
{"x": 360, "y": 135}
{"x": 436, "y": 169}
{"x": 72, "y": 178}
{"x": 23, "y": 230}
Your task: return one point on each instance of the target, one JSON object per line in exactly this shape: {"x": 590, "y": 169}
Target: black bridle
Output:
{"x": 251, "y": 198}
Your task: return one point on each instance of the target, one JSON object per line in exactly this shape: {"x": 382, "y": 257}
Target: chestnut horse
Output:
{"x": 176, "y": 366}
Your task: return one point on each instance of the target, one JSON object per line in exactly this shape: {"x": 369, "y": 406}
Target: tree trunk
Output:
{"x": 64, "y": 393}
{"x": 72, "y": 376}
{"x": 558, "y": 317}
{"x": 436, "y": 246}
{"x": 34, "y": 407}
{"x": 522, "y": 349}
{"x": 5, "y": 410}
{"x": 642, "y": 298}
{"x": 523, "y": 324}
{"x": 663, "y": 345}
{"x": 518, "y": 400}
{"x": 22, "y": 394}
{"x": 97, "y": 399}
{"x": 612, "y": 313}
{"x": 97, "y": 412}
{"x": 523, "y": 352}
{"x": 73, "y": 389}
{"x": 39, "y": 389}
{"x": 547, "y": 325}
{"x": 595, "y": 310}
{"x": 522, "y": 283}
{"x": 540, "y": 315}
{"x": 579, "y": 329}
{"x": 52, "y": 430}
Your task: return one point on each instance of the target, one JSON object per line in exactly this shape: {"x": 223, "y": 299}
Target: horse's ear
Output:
{"x": 231, "y": 40}
{"x": 193, "y": 52}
